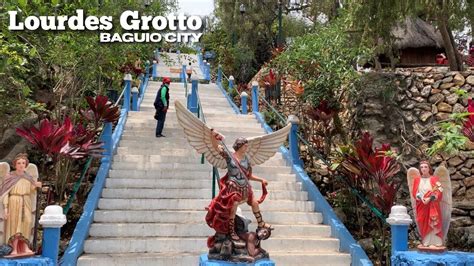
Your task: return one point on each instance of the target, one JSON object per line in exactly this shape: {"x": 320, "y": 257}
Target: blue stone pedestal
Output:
{"x": 30, "y": 261}
{"x": 450, "y": 258}
{"x": 204, "y": 261}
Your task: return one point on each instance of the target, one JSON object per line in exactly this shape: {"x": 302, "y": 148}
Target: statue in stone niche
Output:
{"x": 431, "y": 199}
{"x": 18, "y": 204}
{"x": 234, "y": 187}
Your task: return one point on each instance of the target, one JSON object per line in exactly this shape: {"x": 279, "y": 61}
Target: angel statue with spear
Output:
{"x": 234, "y": 187}
{"x": 431, "y": 200}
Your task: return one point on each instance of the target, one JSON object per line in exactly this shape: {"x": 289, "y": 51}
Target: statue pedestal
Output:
{"x": 204, "y": 261}
{"x": 37, "y": 260}
{"x": 405, "y": 258}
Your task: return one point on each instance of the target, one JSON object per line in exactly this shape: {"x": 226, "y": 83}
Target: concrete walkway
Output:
{"x": 152, "y": 207}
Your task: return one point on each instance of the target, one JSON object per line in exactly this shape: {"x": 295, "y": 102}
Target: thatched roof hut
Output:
{"x": 417, "y": 42}
{"x": 416, "y": 33}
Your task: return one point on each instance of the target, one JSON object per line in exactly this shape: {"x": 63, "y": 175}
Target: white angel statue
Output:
{"x": 18, "y": 204}
{"x": 431, "y": 199}
{"x": 235, "y": 188}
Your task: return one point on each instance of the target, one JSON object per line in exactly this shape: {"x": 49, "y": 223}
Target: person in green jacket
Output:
{"x": 161, "y": 104}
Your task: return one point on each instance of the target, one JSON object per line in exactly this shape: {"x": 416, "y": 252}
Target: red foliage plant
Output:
{"x": 61, "y": 139}
{"x": 323, "y": 112}
{"x": 270, "y": 79}
{"x": 50, "y": 137}
{"x": 101, "y": 110}
{"x": 74, "y": 141}
{"x": 372, "y": 171}
{"x": 468, "y": 126}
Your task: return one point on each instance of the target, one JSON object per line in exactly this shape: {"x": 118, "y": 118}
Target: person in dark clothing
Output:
{"x": 161, "y": 104}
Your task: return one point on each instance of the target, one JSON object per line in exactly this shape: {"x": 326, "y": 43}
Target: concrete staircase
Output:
{"x": 152, "y": 207}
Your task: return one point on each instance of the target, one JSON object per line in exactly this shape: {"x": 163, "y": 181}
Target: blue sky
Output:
{"x": 196, "y": 7}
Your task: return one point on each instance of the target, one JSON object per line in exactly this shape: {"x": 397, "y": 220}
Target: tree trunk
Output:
{"x": 454, "y": 59}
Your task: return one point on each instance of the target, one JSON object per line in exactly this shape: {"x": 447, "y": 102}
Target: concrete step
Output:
{"x": 161, "y": 216}
{"x": 172, "y": 244}
{"x": 169, "y": 141}
{"x": 179, "y": 193}
{"x": 174, "y": 133}
{"x": 163, "y": 148}
{"x": 157, "y": 170}
{"x": 223, "y": 128}
{"x": 188, "y": 183}
{"x": 324, "y": 258}
{"x": 142, "y": 259}
{"x": 157, "y": 149}
{"x": 198, "y": 204}
{"x": 172, "y": 158}
{"x": 210, "y": 116}
{"x": 196, "y": 230}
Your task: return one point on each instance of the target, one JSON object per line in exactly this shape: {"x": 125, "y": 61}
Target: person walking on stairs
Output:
{"x": 161, "y": 104}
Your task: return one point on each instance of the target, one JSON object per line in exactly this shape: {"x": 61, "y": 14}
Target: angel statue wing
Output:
{"x": 412, "y": 173}
{"x": 199, "y": 136}
{"x": 4, "y": 170}
{"x": 447, "y": 201}
{"x": 263, "y": 147}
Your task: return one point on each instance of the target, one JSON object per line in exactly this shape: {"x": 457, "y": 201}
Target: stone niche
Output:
{"x": 403, "y": 115}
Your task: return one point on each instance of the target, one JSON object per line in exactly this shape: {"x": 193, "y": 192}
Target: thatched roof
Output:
{"x": 416, "y": 33}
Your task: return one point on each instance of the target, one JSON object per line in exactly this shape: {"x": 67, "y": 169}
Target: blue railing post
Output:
{"x": 208, "y": 72}
{"x": 135, "y": 92}
{"x": 203, "y": 69}
{"x": 126, "y": 94}
{"x": 52, "y": 220}
{"x": 254, "y": 96}
{"x": 154, "y": 74}
{"x": 193, "y": 102}
{"x": 231, "y": 84}
{"x": 399, "y": 221}
{"x": 108, "y": 145}
{"x": 243, "y": 102}
{"x": 142, "y": 83}
{"x": 294, "y": 149}
{"x": 147, "y": 69}
{"x": 219, "y": 74}
{"x": 183, "y": 73}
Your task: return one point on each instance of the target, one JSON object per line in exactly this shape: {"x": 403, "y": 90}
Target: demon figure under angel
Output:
{"x": 232, "y": 241}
